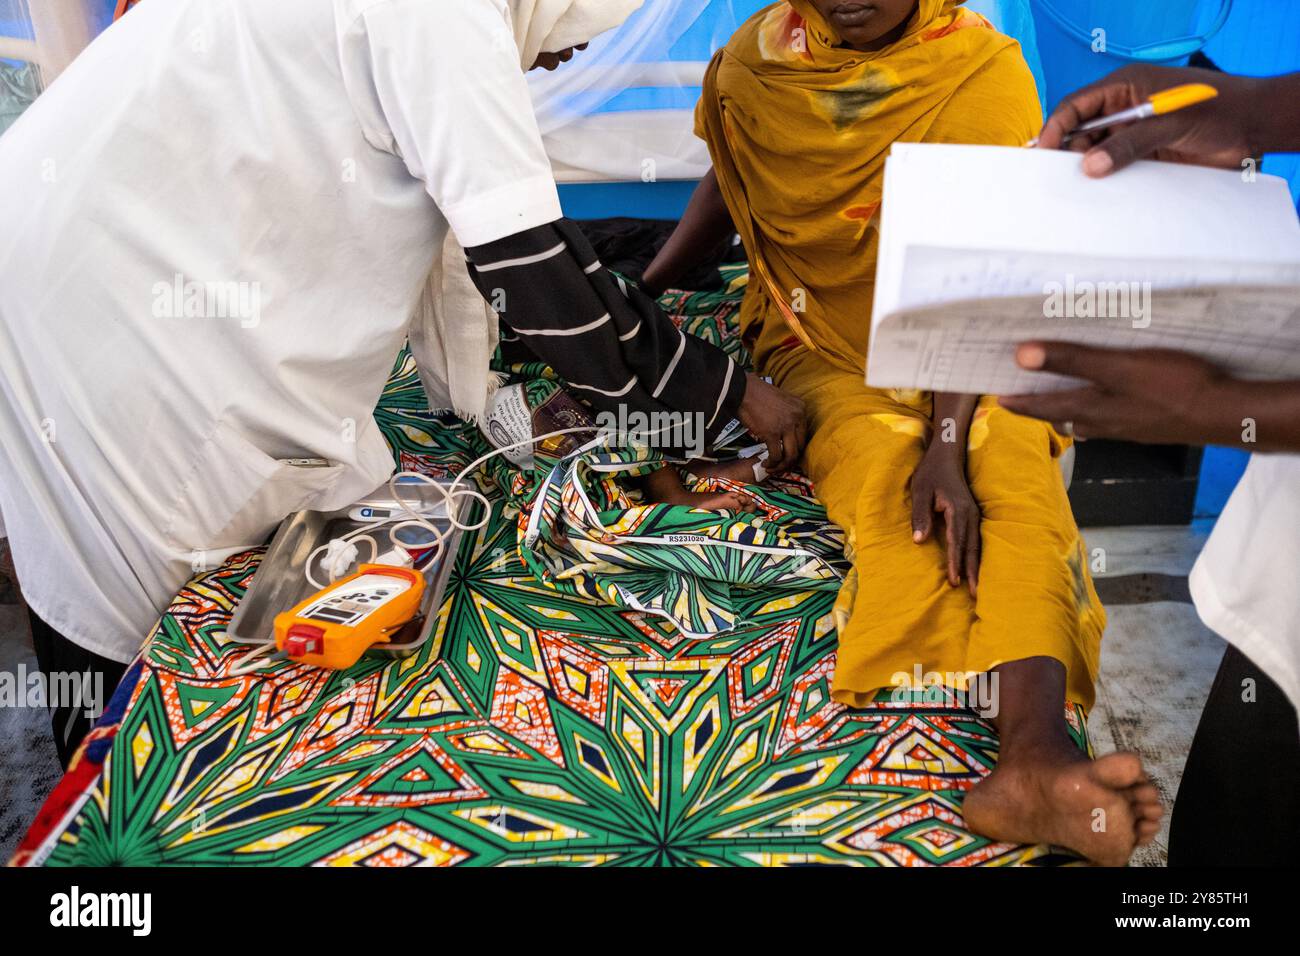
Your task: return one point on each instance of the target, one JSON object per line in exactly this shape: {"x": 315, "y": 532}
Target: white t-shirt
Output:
{"x": 1246, "y": 583}
{"x": 213, "y": 230}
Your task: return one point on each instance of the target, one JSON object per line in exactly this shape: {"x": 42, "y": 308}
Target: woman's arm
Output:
{"x": 705, "y": 225}
{"x": 940, "y": 486}
{"x": 952, "y": 417}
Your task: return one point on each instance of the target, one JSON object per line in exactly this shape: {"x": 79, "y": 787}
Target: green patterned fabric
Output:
{"x": 539, "y": 725}
{"x": 584, "y": 531}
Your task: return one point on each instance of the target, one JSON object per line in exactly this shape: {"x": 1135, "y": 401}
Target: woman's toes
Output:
{"x": 1150, "y": 811}
{"x": 1144, "y": 796}
{"x": 1119, "y": 771}
{"x": 1147, "y": 808}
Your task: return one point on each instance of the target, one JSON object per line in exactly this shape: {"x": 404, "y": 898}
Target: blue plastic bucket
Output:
{"x": 1165, "y": 32}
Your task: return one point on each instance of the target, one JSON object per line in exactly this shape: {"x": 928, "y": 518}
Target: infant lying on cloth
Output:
{"x": 526, "y": 410}
{"x": 617, "y": 522}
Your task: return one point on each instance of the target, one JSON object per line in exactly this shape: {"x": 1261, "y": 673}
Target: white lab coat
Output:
{"x": 213, "y": 229}
{"x": 1246, "y": 583}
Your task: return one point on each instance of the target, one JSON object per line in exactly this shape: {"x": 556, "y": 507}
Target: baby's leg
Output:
{"x": 744, "y": 470}
{"x": 665, "y": 487}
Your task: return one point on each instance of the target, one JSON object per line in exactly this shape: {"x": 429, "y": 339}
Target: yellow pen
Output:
{"x": 1166, "y": 101}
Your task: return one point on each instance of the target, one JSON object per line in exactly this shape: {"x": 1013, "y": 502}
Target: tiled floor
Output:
{"x": 1158, "y": 661}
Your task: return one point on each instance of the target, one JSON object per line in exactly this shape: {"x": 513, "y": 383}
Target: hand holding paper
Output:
{"x": 982, "y": 248}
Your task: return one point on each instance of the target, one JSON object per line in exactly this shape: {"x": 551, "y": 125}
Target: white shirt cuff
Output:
{"x": 506, "y": 211}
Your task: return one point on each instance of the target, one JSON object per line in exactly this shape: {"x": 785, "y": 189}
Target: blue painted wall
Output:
{"x": 1261, "y": 38}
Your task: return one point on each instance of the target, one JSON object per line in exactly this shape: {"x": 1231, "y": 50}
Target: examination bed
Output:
{"x": 533, "y": 728}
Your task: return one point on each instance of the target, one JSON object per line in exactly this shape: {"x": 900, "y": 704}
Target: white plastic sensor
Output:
{"x": 396, "y": 558}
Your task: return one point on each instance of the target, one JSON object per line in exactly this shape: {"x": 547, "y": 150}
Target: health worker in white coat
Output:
{"x": 214, "y": 229}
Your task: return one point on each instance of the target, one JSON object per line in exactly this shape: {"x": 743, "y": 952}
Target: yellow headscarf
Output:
{"x": 799, "y": 127}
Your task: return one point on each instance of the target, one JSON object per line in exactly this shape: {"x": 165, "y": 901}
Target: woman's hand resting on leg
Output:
{"x": 939, "y": 486}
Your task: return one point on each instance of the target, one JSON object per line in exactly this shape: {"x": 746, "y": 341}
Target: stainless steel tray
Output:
{"x": 281, "y": 582}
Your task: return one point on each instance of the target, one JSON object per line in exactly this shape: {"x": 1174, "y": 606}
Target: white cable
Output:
{"x": 252, "y": 662}
{"x": 341, "y": 553}
{"x": 454, "y": 490}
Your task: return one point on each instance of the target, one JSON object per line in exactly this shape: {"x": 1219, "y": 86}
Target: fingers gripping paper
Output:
{"x": 982, "y": 247}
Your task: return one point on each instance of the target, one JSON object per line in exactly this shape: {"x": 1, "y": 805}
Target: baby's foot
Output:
{"x": 706, "y": 500}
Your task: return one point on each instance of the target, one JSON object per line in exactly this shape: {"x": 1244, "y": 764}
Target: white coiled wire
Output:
{"x": 345, "y": 554}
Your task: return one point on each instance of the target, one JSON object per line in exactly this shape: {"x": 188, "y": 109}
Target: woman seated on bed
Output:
{"x": 799, "y": 111}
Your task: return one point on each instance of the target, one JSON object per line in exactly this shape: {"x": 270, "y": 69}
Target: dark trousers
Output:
{"x": 56, "y": 655}
{"x": 1239, "y": 802}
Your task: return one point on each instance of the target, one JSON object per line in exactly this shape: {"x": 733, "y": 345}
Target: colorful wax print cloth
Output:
{"x": 584, "y": 530}
{"x": 537, "y": 726}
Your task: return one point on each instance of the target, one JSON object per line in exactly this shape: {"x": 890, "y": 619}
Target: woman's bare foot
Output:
{"x": 1052, "y": 793}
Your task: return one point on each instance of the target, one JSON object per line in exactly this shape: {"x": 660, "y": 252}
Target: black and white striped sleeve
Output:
{"x": 609, "y": 340}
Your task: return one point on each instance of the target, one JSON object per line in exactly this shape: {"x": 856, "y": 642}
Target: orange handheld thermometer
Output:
{"x": 334, "y": 627}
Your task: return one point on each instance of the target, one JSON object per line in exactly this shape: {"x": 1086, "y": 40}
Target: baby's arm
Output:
{"x": 940, "y": 485}
{"x": 704, "y": 226}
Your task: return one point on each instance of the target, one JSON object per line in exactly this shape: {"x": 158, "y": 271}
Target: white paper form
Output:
{"x": 983, "y": 247}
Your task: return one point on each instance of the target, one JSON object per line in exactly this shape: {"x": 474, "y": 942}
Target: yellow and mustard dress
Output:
{"x": 799, "y": 127}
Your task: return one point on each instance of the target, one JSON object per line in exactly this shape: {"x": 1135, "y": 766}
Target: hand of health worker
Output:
{"x": 551, "y": 61}
{"x": 1222, "y": 132}
{"x": 776, "y": 418}
{"x": 1149, "y": 395}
